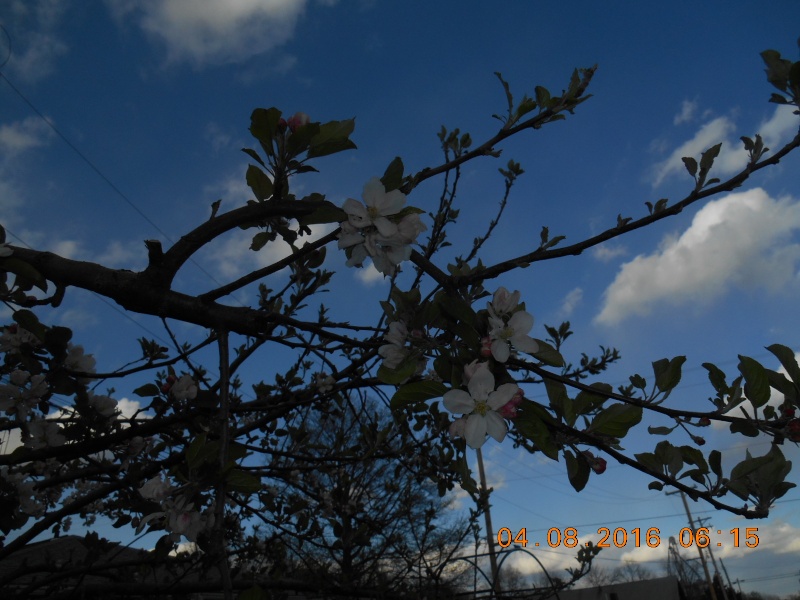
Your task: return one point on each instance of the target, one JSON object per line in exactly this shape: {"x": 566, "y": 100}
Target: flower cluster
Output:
{"x": 370, "y": 232}
{"x": 509, "y": 326}
{"x": 395, "y": 352}
{"x": 480, "y": 406}
{"x": 183, "y": 388}
{"x": 178, "y": 515}
{"x": 294, "y": 122}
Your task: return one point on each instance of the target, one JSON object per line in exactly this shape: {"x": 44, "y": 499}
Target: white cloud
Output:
{"x": 36, "y": 45}
{"x": 203, "y": 33}
{"x": 233, "y": 258}
{"x": 777, "y": 129}
{"x": 19, "y": 136}
{"x": 369, "y": 275}
{"x": 128, "y": 408}
{"x": 688, "y": 110}
{"x": 130, "y": 255}
{"x": 729, "y": 160}
{"x": 608, "y": 252}
{"x": 218, "y": 138}
{"x": 732, "y": 157}
{"x": 571, "y": 300}
{"x": 740, "y": 239}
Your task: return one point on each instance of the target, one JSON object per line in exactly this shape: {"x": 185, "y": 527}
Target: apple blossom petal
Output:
{"x": 392, "y": 202}
{"x": 374, "y": 191}
{"x": 475, "y": 431}
{"x": 481, "y": 384}
{"x": 521, "y": 322}
{"x": 502, "y": 395}
{"x": 385, "y": 227}
{"x": 500, "y": 350}
{"x": 495, "y": 426}
{"x": 356, "y": 213}
{"x": 458, "y": 401}
{"x": 525, "y": 343}
{"x": 358, "y": 256}
{"x": 349, "y": 239}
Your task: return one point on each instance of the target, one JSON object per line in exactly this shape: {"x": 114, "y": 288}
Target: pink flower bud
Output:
{"x": 704, "y": 422}
{"x": 297, "y": 120}
{"x": 698, "y": 440}
{"x": 486, "y": 347}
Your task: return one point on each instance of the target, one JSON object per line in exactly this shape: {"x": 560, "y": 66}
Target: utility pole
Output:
{"x": 489, "y": 529}
{"x": 717, "y": 576}
{"x": 699, "y": 549}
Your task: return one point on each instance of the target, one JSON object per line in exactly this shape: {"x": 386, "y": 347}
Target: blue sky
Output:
{"x": 157, "y": 96}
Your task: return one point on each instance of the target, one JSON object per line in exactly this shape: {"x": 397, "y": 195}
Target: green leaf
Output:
{"x": 669, "y": 455}
{"x": 24, "y": 271}
{"x": 261, "y": 239}
{"x": 393, "y": 176}
{"x": 693, "y": 456}
{"x": 660, "y": 430}
{"x": 668, "y": 373}
{"x": 616, "y": 420}
{"x": 542, "y": 97}
{"x": 242, "y": 481}
{"x": 194, "y": 451}
{"x": 259, "y": 183}
{"x": 264, "y": 124}
{"x": 560, "y": 401}
{"x": 716, "y": 377}
{"x": 706, "y": 161}
{"x": 397, "y": 376}
{"x": 326, "y": 212}
{"x": 577, "y": 471}
{"x": 777, "y": 69}
{"x": 650, "y": 461}
{"x": 530, "y": 423}
{"x": 417, "y": 391}
{"x": 745, "y": 428}
{"x": 756, "y": 386}
{"x": 148, "y": 389}
{"x": 786, "y": 356}
{"x": 27, "y": 320}
{"x": 548, "y": 354}
{"x": 332, "y": 138}
{"x": 691, "y": 165}
{"x": 715, "y": 462}
{"x": 586, "y": 401}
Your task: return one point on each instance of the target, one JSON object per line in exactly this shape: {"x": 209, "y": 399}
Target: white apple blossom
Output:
{"x": 378, "y": 204}
{"x": 155, "y": 489}
{"x": 78, "y": 361}
{"x": 22, "y": 393}
{"x": 44, "y": 434}
{"x": 104, "y": 405}
{"x": 480, "y": 406}
{"x": 182, "y": 520}
{"x": 324, "y": 382}
{"x": 369, "y": 232}
{"x": 503, "y": 302}
{"x": 395, "y": 352}
{"x": 184, "y": 389}
{"x": 14, "y": 336}
{"x": 512, "y": 333}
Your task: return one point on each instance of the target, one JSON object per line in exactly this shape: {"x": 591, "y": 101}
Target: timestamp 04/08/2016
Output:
{"x": 621, "y": 537}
